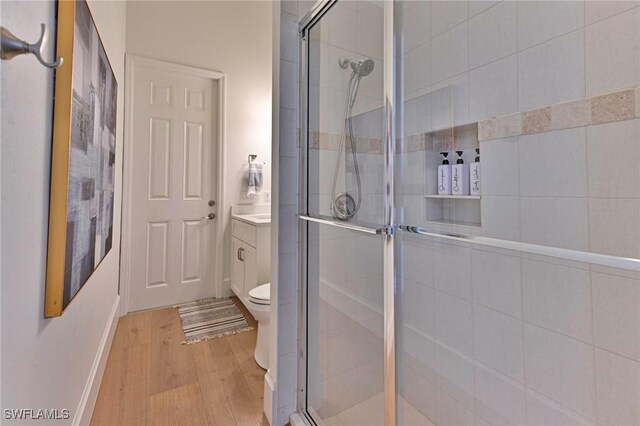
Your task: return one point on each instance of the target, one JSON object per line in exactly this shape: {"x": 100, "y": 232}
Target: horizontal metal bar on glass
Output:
{"x": 344, "y": 225}
{"x": 625, "y": 263}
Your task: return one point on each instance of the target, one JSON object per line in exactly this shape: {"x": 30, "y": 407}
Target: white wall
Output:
{"x": 46, "y": 363}
{"x": 233, "y": 37}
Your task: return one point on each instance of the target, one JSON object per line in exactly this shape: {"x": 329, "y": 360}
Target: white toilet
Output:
{"x": 259, "y": 306}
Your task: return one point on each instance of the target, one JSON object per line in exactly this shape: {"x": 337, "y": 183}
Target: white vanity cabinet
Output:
{"x": 250, "y": 254}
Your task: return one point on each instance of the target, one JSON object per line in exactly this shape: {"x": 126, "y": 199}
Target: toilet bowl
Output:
{"x": 259, "y": 306}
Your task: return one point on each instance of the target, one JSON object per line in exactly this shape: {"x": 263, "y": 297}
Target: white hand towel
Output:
{"x": 255, "y": 178}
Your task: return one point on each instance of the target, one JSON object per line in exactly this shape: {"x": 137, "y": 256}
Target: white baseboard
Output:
{"x": 92, "y": 387}
{"x": 269, "y": 396}
{"x": 226, "y": 288}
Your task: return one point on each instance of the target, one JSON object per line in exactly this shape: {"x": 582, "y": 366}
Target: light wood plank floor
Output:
{"x": 152, "y": 379}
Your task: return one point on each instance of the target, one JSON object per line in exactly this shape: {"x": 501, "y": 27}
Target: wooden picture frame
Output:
{"x": 83, "y": 157}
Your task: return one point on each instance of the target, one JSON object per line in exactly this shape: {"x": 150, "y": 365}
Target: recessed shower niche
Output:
{"x": 451, "y": 145}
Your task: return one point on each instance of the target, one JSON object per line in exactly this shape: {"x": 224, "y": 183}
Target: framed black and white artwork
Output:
{"x": 83, "y": 158}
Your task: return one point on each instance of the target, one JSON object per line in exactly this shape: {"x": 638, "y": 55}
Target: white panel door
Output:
{"x": 173, "y": 180}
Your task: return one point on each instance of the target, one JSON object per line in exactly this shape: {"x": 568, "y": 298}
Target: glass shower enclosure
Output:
{"x": 470, "y": 213}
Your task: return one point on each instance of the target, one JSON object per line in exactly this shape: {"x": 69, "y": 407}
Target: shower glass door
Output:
{"x": 519, "y": 303}
{"x": 343, "y": 211}
{"x": 506, "y": 296}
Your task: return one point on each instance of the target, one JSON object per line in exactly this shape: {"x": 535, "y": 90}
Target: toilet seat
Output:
{"x": 261, "y": 295}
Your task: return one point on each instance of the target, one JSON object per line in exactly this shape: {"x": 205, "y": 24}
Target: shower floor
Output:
{"x": 370, "y": 412}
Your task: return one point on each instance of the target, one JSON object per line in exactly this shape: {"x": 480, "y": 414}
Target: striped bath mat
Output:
{"x": 209, "y": 318}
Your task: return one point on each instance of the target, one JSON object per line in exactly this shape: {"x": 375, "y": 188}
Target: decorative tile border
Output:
{"x": 613, "y": 107}
{"x": 411, "y": 143}
{"x": 536, "y": 121}
{"x": 331, "y": 142}
{"x": 617, "y": 106}
{"x": 571, "y": 114}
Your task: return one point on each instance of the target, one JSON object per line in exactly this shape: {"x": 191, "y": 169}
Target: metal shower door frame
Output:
{"x": 391, "y": 67}
{"x": 386, "y": 230}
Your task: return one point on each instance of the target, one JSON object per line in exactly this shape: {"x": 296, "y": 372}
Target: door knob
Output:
{"x": 210, "y": 216}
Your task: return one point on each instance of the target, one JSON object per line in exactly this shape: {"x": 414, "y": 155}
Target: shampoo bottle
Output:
{"x": 460, "y": 177}
{"x": 474, "y": 175}
{"x": 444, "y": 175}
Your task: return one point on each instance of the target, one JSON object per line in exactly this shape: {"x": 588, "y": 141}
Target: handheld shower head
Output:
{"x": 363, "y": 68}
{"x": 344, "y": 206}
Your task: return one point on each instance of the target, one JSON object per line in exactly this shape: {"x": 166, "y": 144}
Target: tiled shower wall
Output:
{"x": 324, "y": 153}
{"x": 351, "y": 30}
{"x": 494, "y": 336}
{"x": 345, "y": 342}
{"x": 514, "y": 57}
{"x": 288, "y": 254}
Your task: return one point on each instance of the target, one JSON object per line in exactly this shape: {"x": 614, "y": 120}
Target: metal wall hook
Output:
{"x": 11, "y": 46}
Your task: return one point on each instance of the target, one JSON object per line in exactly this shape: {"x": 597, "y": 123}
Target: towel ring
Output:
{"x": 252, "y": 157}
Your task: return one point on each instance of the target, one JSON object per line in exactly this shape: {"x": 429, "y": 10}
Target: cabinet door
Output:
{"x": 237, "y": 272}
{"x": 250, "y": 269}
